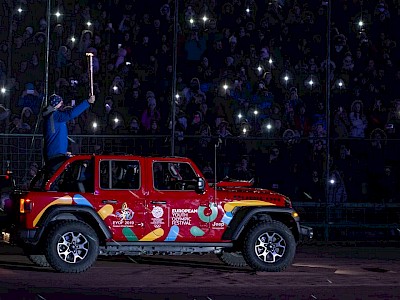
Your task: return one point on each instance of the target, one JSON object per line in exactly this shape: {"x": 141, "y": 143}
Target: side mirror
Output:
{"x": 200, "y": 185}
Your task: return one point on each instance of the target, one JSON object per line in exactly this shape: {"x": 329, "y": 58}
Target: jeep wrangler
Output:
{"x": 134, "y": 205}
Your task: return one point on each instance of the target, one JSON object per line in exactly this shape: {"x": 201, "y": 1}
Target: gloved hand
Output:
{"x": 92, "y": 99}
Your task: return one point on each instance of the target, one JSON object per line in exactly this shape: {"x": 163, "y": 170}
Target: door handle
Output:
{"x": 109, "y": 201}
{"x": 158, "y": 202}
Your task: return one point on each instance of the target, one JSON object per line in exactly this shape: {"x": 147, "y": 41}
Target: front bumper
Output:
{"x": 306, "y": 233}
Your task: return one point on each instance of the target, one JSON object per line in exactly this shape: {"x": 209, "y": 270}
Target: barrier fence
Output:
{"x": 347, "y": 193}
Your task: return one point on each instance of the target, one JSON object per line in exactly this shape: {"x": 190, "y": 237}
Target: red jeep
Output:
{"x": 124, "y": 204}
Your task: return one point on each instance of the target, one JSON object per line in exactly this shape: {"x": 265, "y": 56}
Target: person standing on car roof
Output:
{"x": 55, "y": 132}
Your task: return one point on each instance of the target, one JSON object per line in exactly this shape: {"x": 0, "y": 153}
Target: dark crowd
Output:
{"x": 252, "y": 73}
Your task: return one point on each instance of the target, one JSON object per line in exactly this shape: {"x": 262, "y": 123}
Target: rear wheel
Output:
{"x": 71, "y": 246}
{"x": 269, "y": 246}
{"x": 39, "y": 260}
{"x": 234, "y": 259}
{"x": 36, "y": 256}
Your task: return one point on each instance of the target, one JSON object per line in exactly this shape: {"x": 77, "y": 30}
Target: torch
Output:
{"x": 90, "y": 62}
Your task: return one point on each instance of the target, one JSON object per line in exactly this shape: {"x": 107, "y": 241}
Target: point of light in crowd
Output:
{"x": 177, "y": 96}
{"x": 332, "y": 181}
{"x": 3, "y": 90}
{"x": 286, "y": 78}
{"x": 340, "y": 83}
{"x": 128, "y": 63}
{"x": 240, "y": 116}
{"x": 311, "y": 82}
{"x": 361, "y": 23}
{"x": 259, "y": 68}
{"x": 244, "y": 130}
{"x": 58, "y": 14}
{"x": 255, "y": 112}
{"x": 88, "y": 23}
{"x": 225, "y": 86}
{"x": 270, "y": 61}
{"x": 94, "y": 125}
{"x": 116, "y": 120}
{"x": 73, "y": 39}
{"x": 248, "y": 10}
{"x": 269, "y": 126}
{"x": 115, "y": 88}
{"x": 191, "y": 21}
{"x": 20, "y": 10}
{"x": 205, "y": 18}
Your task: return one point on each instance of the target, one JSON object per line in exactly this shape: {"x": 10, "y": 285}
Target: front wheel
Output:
{"x": 269, "y": 246}
{"x": 71, "y": 246}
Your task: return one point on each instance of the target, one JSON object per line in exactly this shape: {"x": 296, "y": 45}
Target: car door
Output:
{"x": 120, "y": 198}
{"x": 176, "y": 212}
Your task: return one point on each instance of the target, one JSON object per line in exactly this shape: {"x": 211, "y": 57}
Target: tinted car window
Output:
{"x": 119, "y": 174}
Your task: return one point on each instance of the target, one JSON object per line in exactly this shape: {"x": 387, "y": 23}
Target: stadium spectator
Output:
{"x": 150, "y": 113}
{"x": 30, "y": 98}
{"x": 358, "y": 120}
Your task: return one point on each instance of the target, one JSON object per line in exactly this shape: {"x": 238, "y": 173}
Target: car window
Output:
{"x": 119, "y": 174}
{"x": 77, "y": 177}
{"x": 173, "y": 176}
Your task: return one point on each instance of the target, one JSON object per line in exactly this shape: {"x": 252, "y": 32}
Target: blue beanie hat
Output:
{"x": 29, "y": 86}
{"x": 55, "y": 100}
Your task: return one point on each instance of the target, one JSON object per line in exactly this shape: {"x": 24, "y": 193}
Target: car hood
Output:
{"x": 241, "y": 193}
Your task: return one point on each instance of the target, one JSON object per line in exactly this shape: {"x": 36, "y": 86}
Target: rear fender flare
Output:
{"x": 72, "y": 212}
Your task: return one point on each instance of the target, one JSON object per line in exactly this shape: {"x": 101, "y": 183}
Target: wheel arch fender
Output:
{"x": 76, "y": 212}
{"x": 247, "y": 216}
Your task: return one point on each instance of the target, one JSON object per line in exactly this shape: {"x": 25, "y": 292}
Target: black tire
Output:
{"x": 269, "y": 246}
{"x": 39, "y": 260}
{"x": 234, "y": 259}
{"x": 71, "y": 246}
{"x": 36, "y": 256}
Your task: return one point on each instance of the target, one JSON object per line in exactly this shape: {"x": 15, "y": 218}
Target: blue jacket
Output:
{"x": 55, "y": 131}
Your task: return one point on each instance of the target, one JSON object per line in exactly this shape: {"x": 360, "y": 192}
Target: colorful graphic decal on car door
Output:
{"x": 173, "y": 233}
{"x": 106, "y": 211}
{"x": 124, "y": 215}
{"x": 208, "y": 213}
{"x": 186, "y": 217}
{"x": 155, "y": 234}
{"x": 124, "y": 218}
{"x": 157, "y": 220}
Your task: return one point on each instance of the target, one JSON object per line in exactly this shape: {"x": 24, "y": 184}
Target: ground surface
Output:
{"x": 319, "y": 272}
